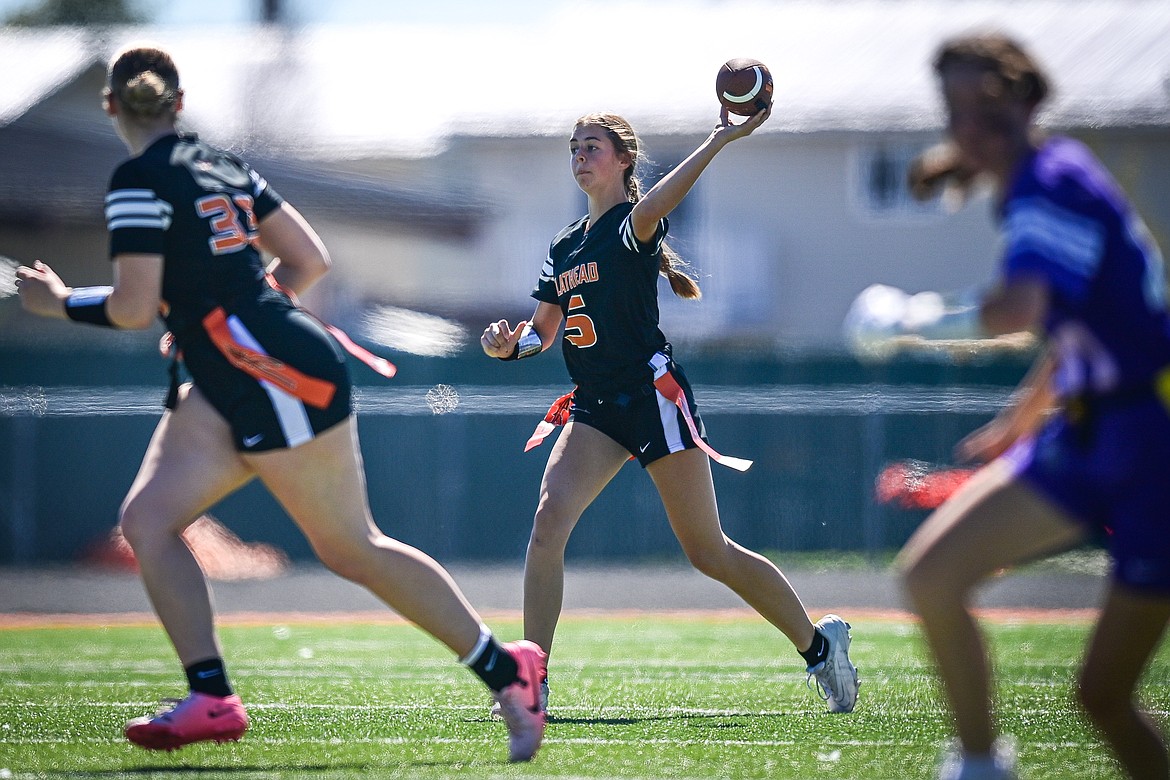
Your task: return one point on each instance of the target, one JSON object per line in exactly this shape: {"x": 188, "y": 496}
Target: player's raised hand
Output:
{"x": 41, "y": 291}
{"x": 499, "y": 339}
{"x": 727, "y": 131}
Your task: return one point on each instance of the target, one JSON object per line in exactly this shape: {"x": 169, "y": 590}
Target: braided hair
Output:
{"x": 624, "y": 139}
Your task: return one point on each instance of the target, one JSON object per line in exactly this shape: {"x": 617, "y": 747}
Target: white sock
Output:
{"x": 485, "y": 638}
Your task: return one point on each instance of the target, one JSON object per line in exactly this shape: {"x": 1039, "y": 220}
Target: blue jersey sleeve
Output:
{"x": 1047, "y": 235}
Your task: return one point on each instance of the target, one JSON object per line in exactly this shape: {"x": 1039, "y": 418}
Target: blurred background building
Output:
{"x": 428, "y": 145}
{"x": 432, "y": 155}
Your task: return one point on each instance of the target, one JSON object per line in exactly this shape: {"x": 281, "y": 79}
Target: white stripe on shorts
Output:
{"x": 290, "y": 410}
{"x": 667, "y": 411}
{"x": 668, "y": 414}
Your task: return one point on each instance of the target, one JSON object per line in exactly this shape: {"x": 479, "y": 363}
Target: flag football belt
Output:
{"x": 1082, "y": 410}
{"x": 263, "y": 367}
{"x": 313, "y": 391}
{"x": 380, "y": 365}
{"x": 672, "y": 391}
{"x": 558, "y": 414}
{"x": 668, "y": 386}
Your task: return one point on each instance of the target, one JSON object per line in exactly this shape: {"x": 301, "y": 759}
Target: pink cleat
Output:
{"x": 520, "y": 702}
{"x": 197, "y": 718}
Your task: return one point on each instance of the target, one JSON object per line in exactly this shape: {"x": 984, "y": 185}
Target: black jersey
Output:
{"x": 198, "y": 207}
{"x": 606, "y": 282}
{"x": 273, "y": 372}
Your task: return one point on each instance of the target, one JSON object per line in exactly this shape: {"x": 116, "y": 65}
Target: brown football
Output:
{"x": 744, "y": 86}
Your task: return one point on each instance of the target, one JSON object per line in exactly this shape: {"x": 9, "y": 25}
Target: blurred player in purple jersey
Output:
{"x": 269, "y": 398}
{"x": 632, "y": 400}
{"x": 1083, "y": 451}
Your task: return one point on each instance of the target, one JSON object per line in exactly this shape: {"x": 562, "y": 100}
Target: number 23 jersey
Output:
{"x": 606, "y": 283}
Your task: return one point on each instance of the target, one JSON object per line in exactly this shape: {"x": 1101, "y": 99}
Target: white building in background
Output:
{"x": 434, "y": 160}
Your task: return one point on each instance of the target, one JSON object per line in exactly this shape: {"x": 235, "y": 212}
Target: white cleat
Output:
{"x": 836, "y": 676}
{"x": 1000, "y": 765}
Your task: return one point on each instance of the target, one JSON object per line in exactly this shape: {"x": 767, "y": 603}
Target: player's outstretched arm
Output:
{"x": 664, "y": 196}
{"x": 131, "y": 303}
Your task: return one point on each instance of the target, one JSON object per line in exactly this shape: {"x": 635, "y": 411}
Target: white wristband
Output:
{"x": 528, "y": 345}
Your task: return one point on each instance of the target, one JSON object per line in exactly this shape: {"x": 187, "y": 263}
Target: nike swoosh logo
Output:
{"x": 644, "y": 447}
{"x": 208, "y": 673}
{"x": 491, "y": 664}
{"x": 252, "y": 441}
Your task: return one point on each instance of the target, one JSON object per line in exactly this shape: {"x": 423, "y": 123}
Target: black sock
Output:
{"x": 209, "y": 677}
{"x": 495, "y": 666}
{"x": 818, "y": 651}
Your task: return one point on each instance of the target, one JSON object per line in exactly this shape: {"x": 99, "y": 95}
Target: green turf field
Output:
{"x": 656, "y": 696}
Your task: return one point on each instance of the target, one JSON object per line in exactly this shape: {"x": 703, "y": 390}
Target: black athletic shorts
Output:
{"x": 642, "y": 420}
{"x": 262, "y": 414}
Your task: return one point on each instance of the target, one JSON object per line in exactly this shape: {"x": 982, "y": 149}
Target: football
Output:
{"x": 744, "y": 86}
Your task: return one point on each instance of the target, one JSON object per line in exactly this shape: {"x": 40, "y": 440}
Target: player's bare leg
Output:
{"x": 684, "y": 482}
{"x": 991, "y": 523}
{"x": 582, "y": 463}
{"x": 189, "y": 465}
{"x": 322, "y": 487}
{"x": 1129, "y": 630}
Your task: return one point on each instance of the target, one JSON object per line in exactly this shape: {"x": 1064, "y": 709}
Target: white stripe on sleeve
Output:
{"x": 1068, "y": 239}
{"x": 626, "y": 231}
{"x": 136, "y": 208}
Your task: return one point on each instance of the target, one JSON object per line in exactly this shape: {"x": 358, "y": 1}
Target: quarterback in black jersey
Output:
{"x": 631, "y": 399}
{"x": 269, "y": 398}
{"x": 605, "y": 268}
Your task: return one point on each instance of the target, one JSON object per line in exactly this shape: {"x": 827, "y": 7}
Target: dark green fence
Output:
{"x": 73, "y": 427}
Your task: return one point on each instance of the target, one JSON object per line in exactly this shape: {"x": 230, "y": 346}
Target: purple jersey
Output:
{"x": 1066, "y": 220}
{"x": 1106, "y": 461}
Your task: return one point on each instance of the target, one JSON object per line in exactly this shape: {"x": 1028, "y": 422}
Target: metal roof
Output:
{"x": 56, "y": 156}
{"x": 292, "y": 99}
{"x": 407, "y": 89}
